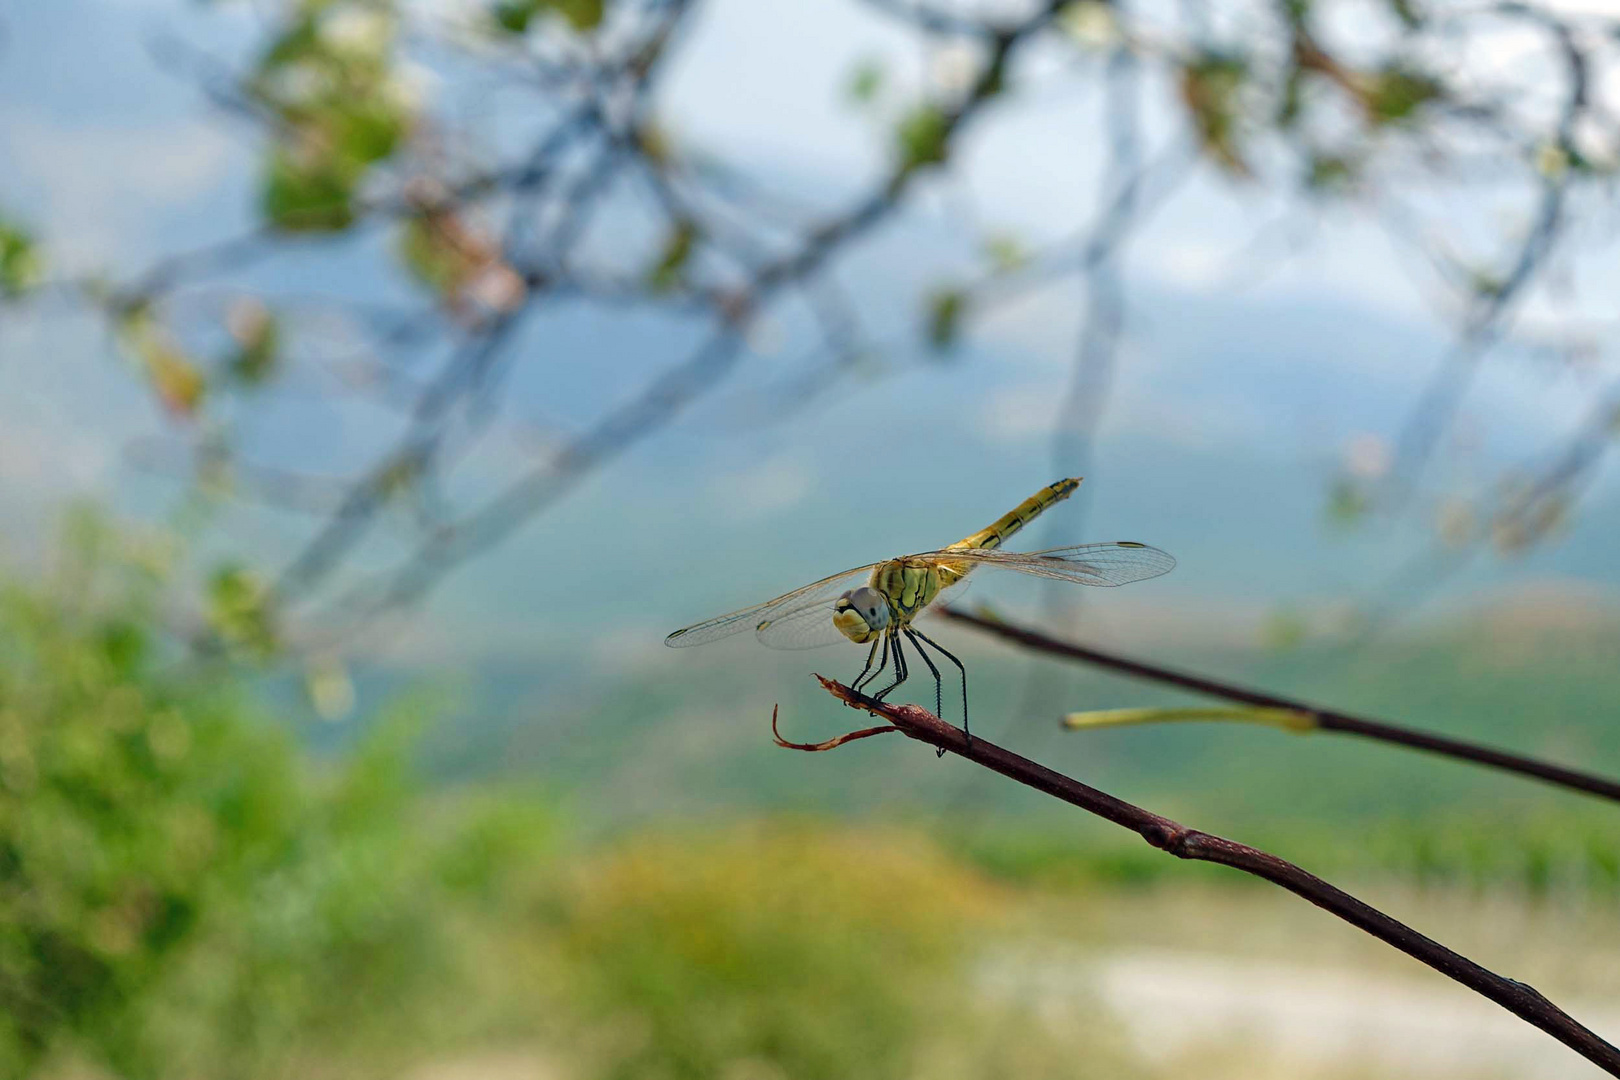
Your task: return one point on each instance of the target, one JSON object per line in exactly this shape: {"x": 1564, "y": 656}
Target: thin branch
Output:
{"x": 1492, "y": 313}
{"x": 651, "y": 409}
{"x": 1522, "y": 513}
{"x": 1176, "y": 839}
{"x": 656, "y": 405}
{"x": 1325, "y": 719}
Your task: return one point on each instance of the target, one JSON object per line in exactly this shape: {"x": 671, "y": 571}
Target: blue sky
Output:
{"x": 1238, "y": 395}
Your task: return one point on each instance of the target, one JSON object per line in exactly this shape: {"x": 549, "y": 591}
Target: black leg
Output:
{"x": 871, "y": 654}
{"x": 939, "y": 691}
{"x": 900, "y": 668}
{"x": 947, "y": 655}
{"x": 939, "y": 696}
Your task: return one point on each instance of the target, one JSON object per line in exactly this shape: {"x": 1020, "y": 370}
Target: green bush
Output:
{"x": 774, "y": 950}
{"x": 182, "y": 892}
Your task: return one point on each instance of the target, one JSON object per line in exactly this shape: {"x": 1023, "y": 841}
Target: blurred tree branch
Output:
{"x": 1282, "y": 103}
{"x": 1176, "y": 839}
{"x": 1527, "y": 506}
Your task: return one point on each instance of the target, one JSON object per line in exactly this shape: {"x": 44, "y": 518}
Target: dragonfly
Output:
{"x": 881, "y": 612}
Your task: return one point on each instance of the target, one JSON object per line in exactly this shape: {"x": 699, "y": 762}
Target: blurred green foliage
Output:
{"x": 175, "y": 376}
{"x": 20, "y": 264}
{"x": 670, "y": 267}
{"x": 239, "y": 613}
{"x": 185, "y": 892}
{"x": 515, "y": 16}
{"x": 866, "y": 82}
{"x": 1211, "y": 89}
{"x": 255, "y": 343}
{"x": 822, "y": 955}
{"x": 923, "y": 136}
{"x": 181, "y": 892}
{"x": 945, "y": 310}
{"x": 329, "y": 78}
{"x": 1398, "y": 92}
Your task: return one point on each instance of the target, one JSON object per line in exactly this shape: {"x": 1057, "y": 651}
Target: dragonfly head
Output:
{"x": 861, "y": 614}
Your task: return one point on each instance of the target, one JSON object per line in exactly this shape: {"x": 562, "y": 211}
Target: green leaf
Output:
{"x": 399, "y": 477}
{"x": 1210, "y": 88}
{"x": 256, "y": 335}
{"x": 314, "y": 195}
{"x": 299, "y": 41}
{"x": 20, "y": 264}
{"x": 123, "y": 644}
{"x": 370, "y": 130}
{"x": 514, "y": 16}
{"x": 1284, "y": 629}
{"x": 582, "y": 15}
{"x": 924, "y": 135}
{"x": 330, "y": 80}
{"x": 866, "y": 82}
{"x": 1293, "y": 98}
{"x": 1485, "y": 284}
{"x": 426, "y": 255}
{"x": 945, "y": 309}
{"x": 666, "y": 274}
{"x": 1091, "y": 24}
{"x": 1347, "y": 502}
{"x": 330, "y": 688}
{"x": 1399, "y": 92}
{"x": 1006, "y": 252}
{"x": 178, "y": 381}
{"x": 1330, "y": 173}
{"x": 239, "y": 612}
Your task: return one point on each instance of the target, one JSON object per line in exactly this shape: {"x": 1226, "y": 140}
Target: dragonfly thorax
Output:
{"x": 861, "y": 614}
{"x": 900, "y": 588}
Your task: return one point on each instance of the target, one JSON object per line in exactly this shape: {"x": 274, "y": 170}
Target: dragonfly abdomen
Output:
{"x": 1002, "y": 529}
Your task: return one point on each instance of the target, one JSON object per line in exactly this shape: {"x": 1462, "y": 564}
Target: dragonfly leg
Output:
{"x": 900, "y": 668}
{"x": 939, "y": 694}
{"x": 939, "y": 691}
{"x": 947, "y": 655}
{"x": 867, "y": 674}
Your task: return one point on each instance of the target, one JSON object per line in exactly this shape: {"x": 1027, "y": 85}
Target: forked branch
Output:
{"x": 1307, "y": 718}
{"x": 1184, "y": 843}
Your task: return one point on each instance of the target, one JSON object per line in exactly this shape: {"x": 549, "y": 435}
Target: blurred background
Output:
{"x": 381, "y": 380}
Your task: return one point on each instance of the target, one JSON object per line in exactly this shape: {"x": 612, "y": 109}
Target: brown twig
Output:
{"x": 829, "y": 744}
{"x": 1184, "y": 843}
{"x": 1324, "y": 719}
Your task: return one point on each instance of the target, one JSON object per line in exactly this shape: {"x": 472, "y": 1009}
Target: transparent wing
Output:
{"x": 807, "y": 624}
{"x": 788, "y": 622}
{"x": 1118, "y": 563}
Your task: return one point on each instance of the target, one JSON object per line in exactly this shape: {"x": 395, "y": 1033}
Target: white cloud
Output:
{"x": 47, "y": 456}
{"x": 1017, "y": 414}
{"x": 1195, "y": 267}
{"x": 1029, "y": 412}
{"x": 776, "y": 484}
{"x": 103, "y": 183}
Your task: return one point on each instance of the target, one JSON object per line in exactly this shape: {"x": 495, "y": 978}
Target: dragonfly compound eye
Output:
{"x": 861, "y": 613}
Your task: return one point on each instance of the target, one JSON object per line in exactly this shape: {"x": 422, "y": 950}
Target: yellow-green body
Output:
{"x": 911, "y": 584}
